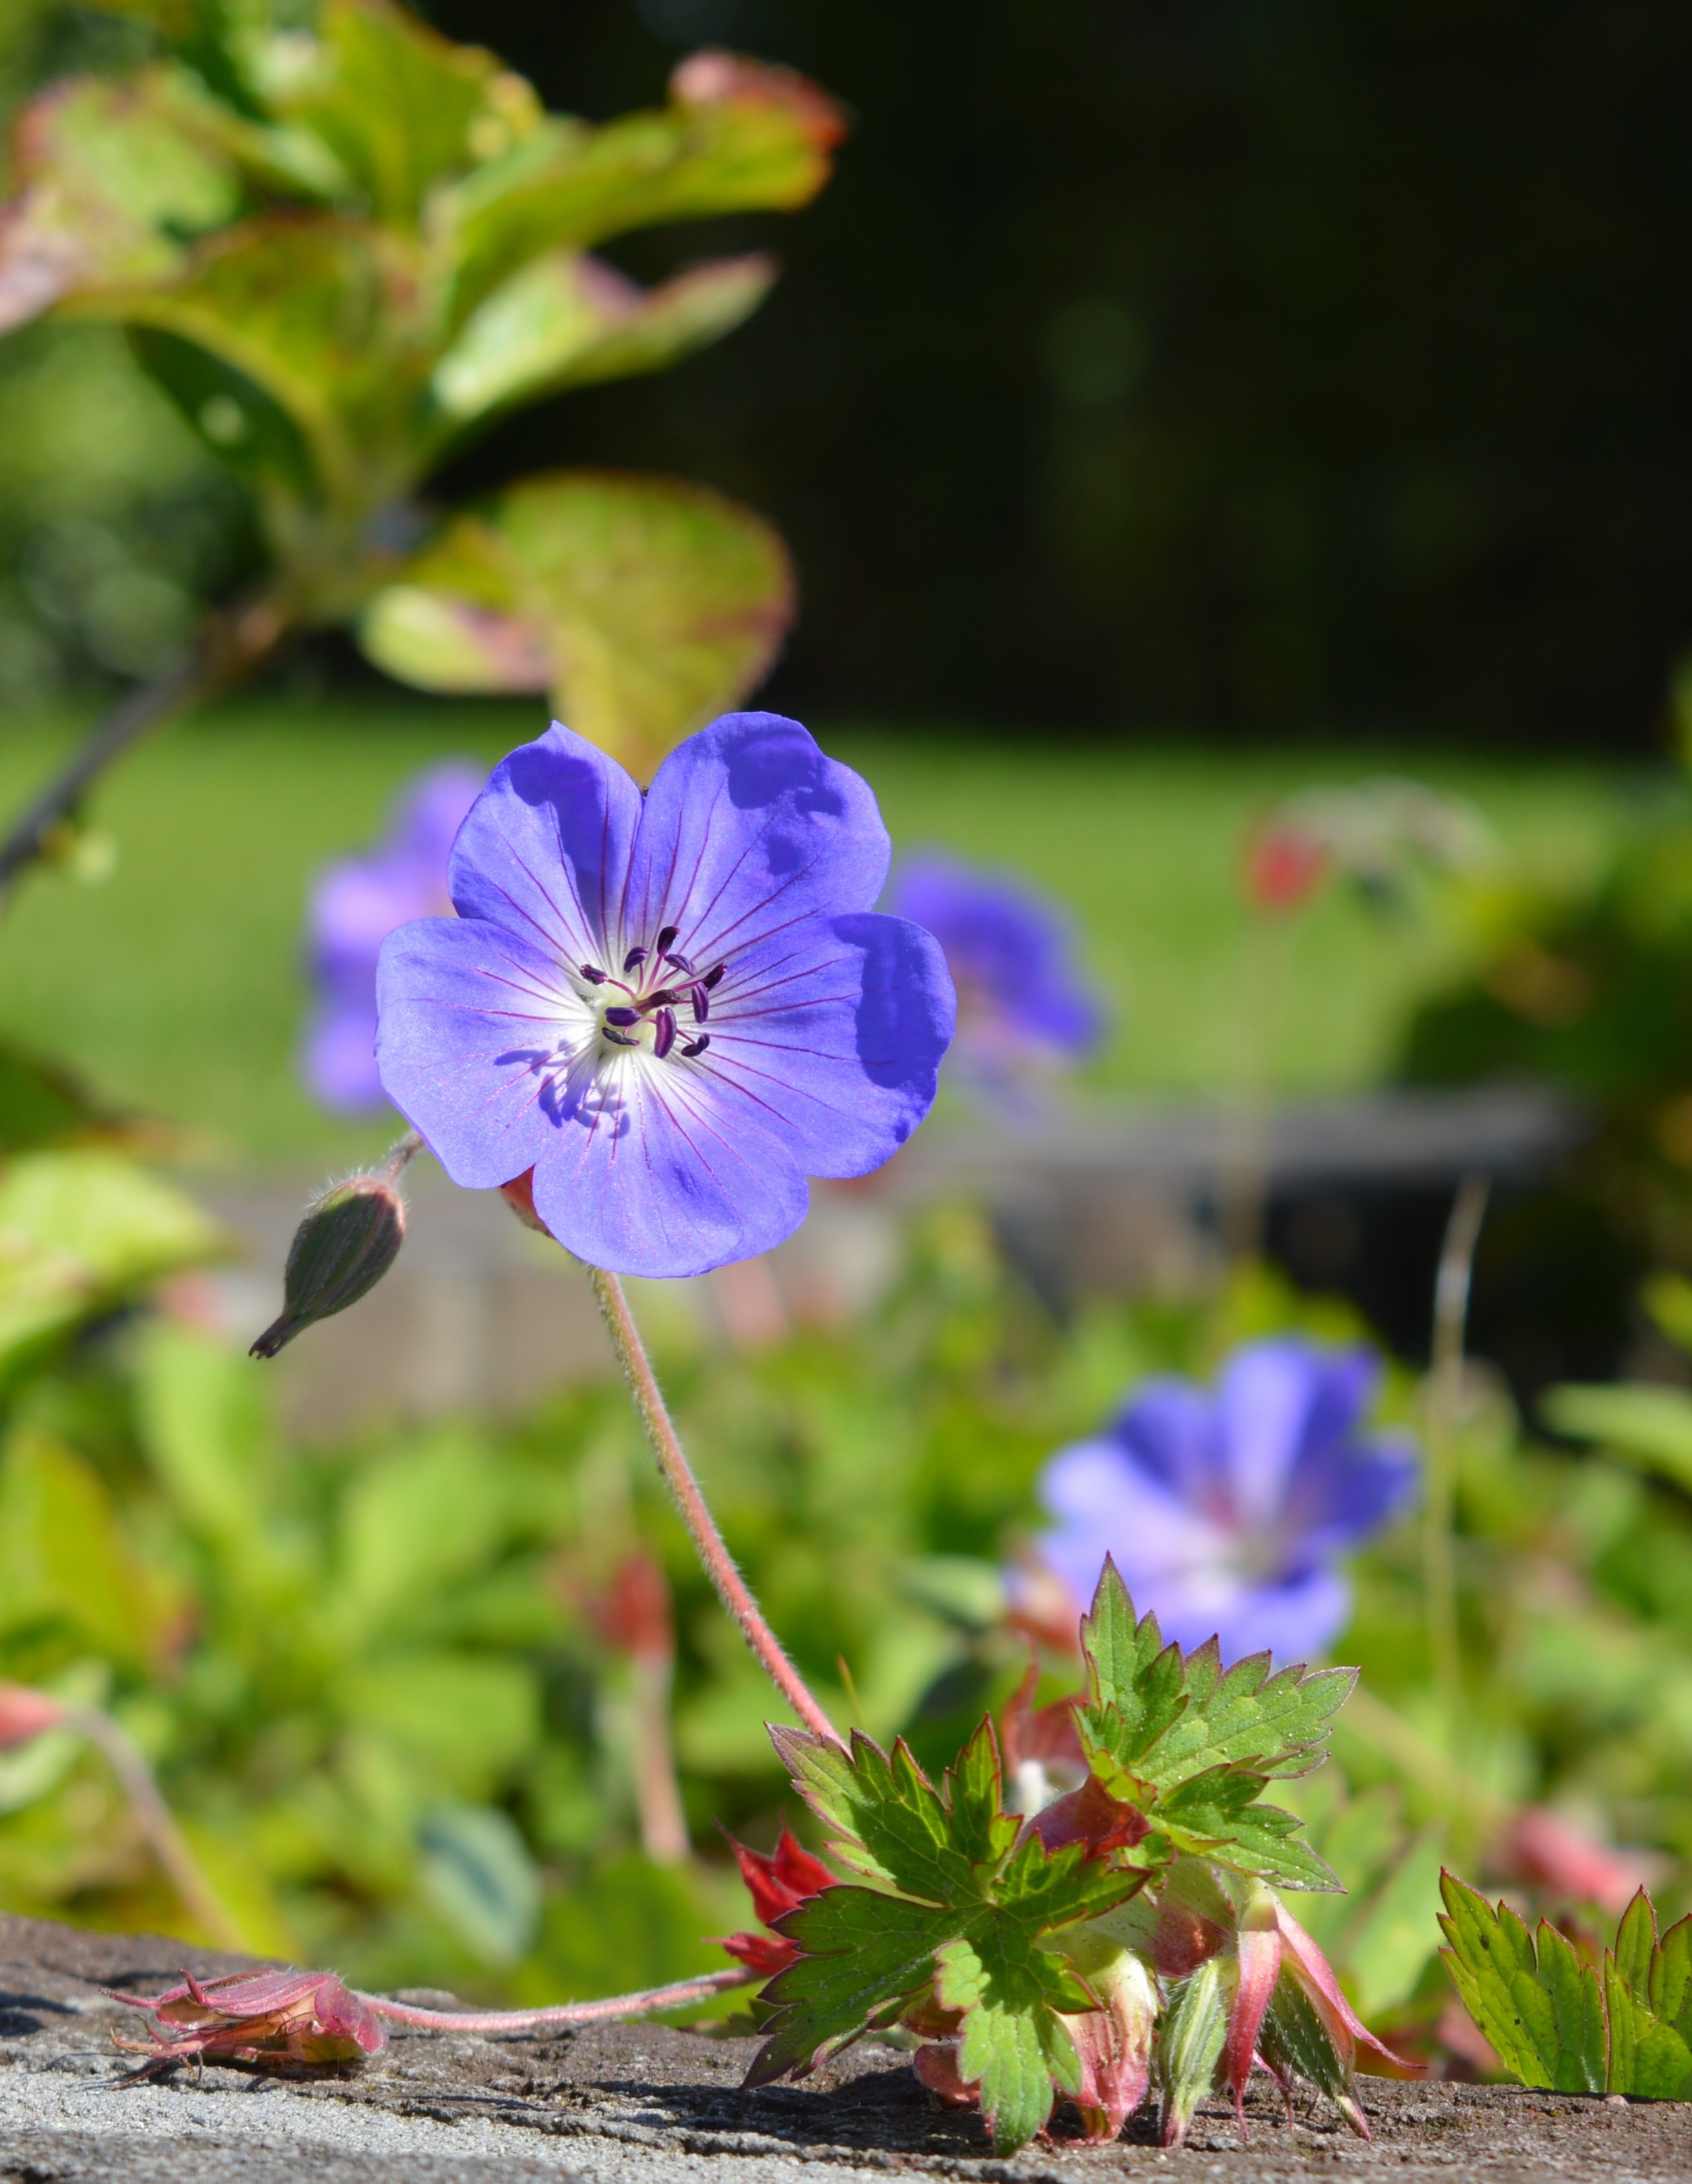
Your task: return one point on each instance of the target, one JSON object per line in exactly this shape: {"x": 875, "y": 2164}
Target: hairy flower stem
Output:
{"x": 732, "y": 1589}
{"x": 230, "y": 648}
{"x": 650, "y": 2002}
{"x": 156, "y": 1822}
{"x": 1444, "y": 1403}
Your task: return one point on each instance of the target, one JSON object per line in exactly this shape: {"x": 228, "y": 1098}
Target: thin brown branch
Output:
{"x": 229, "y": 647}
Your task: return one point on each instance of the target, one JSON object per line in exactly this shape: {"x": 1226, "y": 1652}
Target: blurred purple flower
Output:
{"x": 1226, "y": 1511}
{"x": 667, "y": 1011}
{"x": 355, "y": 904}
{"x": 1023, "y": 1010}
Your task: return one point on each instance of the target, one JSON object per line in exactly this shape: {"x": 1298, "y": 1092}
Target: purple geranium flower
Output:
{"x": 355, "y": 904}
{"x": 1022, "y": 1007}
{"x": 1226, "y": 1511}
{"x": 673, "y": 1011}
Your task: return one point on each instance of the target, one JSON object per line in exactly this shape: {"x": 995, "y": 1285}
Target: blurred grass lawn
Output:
{"x": 177, "y": 983}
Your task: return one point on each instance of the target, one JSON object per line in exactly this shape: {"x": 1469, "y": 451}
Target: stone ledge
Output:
{"x": 649, "y": 2104}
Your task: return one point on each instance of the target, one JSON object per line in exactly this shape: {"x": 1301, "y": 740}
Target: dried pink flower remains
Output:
{"x": 279, "y": 2017}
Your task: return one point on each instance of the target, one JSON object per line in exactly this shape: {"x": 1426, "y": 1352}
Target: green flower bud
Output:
{"x": 347, "y": 1242}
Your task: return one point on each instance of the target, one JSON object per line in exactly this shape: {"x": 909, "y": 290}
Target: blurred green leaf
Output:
{"x": 1668, "y": 1297}
{"x": 42, "y": 1105}
{"x": 567, "y": 319}
{"x": 1649, "y": 1426}
{"x": 412, "y": 1527}
{"x": 63, "y": 1558}
{"x": 629, "y": 1924}
{"x": 79, "y": 1232}
{"x": 1539, "y": 2006}
{"x": 397, "y": 105}
{"x": 111, "y": 184}
{"x": 315, "y": 312}
{"x": 477, "y": 1871}
{"x": 1390, "y": 1944}
{"x": 647, "y": 605}
{"x": 736, "y": 136}
{"x": 205, "y": 1424}
{"x": 468, "y": 1720}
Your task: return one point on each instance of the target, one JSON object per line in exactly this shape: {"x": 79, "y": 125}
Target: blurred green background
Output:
{"x": 178, "y": 982}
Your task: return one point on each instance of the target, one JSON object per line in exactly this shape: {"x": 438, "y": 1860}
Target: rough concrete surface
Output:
{"x": 647, "y": 2104}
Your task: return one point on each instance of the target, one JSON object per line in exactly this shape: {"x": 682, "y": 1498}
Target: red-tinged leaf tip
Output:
{"x": 717, "y": 77}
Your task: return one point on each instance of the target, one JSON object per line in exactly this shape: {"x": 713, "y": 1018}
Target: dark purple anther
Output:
{"x": 663, "y": 1033}
{"x": 713, "y": 977}
{"x": 701, "y": 1002}
{"x": 623, "y": 1015}
{"x": 696, "y": 1046}
{"x": 594, "y": 975}
{"x": 634, "y": 960}
{"x": 680, "y": 962}
{"x": 665, "y": 998}
{"x": 620, "y": 1037}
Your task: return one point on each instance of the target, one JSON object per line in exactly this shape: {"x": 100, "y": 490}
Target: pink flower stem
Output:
{"x": 647, "y": 2003}
{"x": 732, "y": 1589}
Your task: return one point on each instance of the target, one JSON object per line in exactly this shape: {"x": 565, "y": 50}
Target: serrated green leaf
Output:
{"x": 1158, "y": 1721}
{"x": 1277, "y": 1726}
{"x": 1671, "y": 1979}
{"x": 894, "y": 1823}
{"x": 648, "y": 606}
{"x": 982, "y": 1829}
{"x": 1216, "y": 1814}
{"x": 1540, "y": 2008}
{"x": 565, "y": 320}
{"x": 861, "y": 1951}
{"x": 1647, "y": 2058}
{"x": 1015, "y": 2044}
{"x": 1636, "y": 1943}
{"x": 1044, "y": 1890}
{"x": 1137, "y": 1683}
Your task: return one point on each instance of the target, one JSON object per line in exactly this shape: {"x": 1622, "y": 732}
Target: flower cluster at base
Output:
{"x": 1123, "y": 1939}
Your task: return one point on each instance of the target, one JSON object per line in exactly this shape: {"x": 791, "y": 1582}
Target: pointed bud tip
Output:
{"x": 349, "y": 1238}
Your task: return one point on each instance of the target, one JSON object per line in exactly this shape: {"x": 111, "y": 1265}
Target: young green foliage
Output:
{"x": 1191, "y": 1745}
{"x": 958, "y": 1906}
{"x": 962, "y": 1898}
{"x": 343, "y": 249}
{"x": 1540, "y": 2006}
